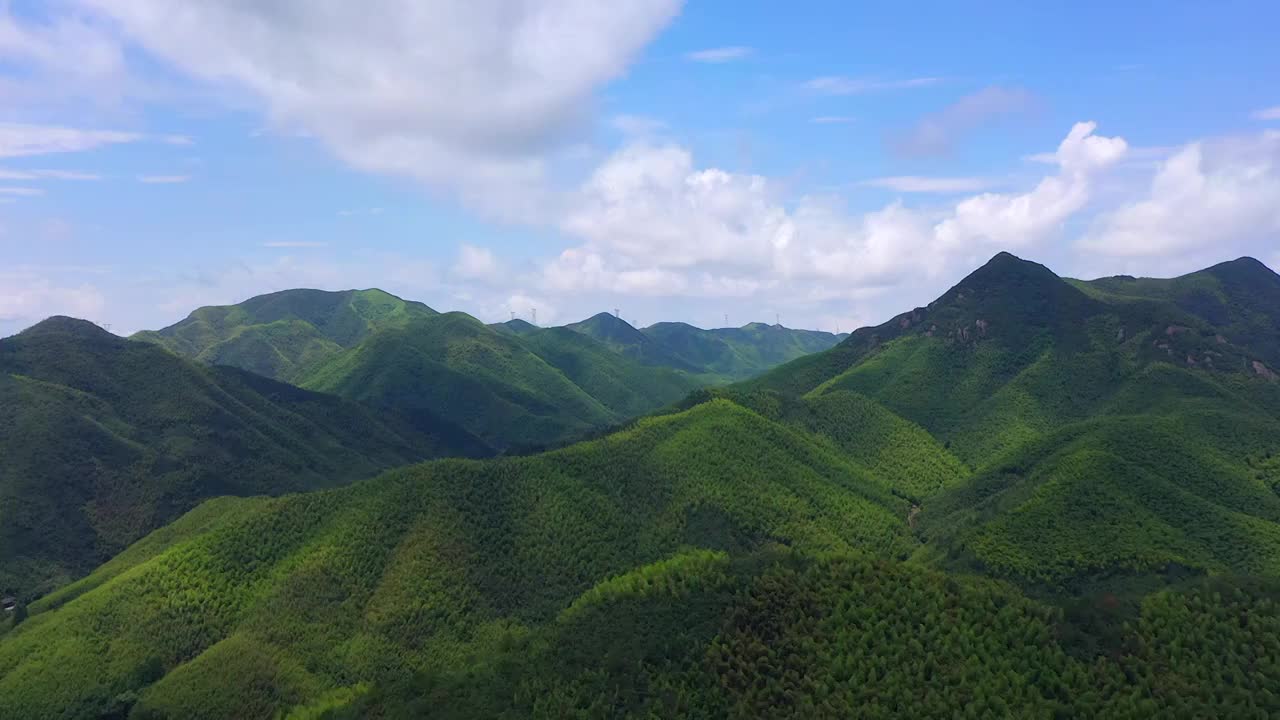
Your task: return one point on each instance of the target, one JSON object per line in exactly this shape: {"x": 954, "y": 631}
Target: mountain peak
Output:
{"x": 63, "y": 325}
{"x": 1244, "y": 269}
{"x": 1005, "y": 270}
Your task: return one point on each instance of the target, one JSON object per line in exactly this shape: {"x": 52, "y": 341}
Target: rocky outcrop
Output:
{"x": 1264, "y": 371}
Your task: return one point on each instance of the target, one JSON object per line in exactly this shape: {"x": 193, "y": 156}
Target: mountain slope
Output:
{"x": 717, "y": 356}
{"x": 304, "y": 594}
{"x": 1113, "y": 434}
{"x": 105, "y": 439}
{"x": 454, "y": 366}
{"x": 280, "y": 334}
{"x": 621, "y": 337}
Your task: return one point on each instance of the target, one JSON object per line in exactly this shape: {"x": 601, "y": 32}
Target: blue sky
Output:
{"x": 833, "y": 163}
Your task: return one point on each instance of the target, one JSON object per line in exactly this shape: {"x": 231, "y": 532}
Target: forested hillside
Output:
{"x": 105, "y": 439}
{"x": 516, "y": 385}
{"x": 1034, "y": 497}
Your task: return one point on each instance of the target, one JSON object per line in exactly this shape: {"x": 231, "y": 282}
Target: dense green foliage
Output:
{"x": 1033, "y": 498}
{"x": 104, "y": 439}
{"x": 274, "y": 602}
{"x": 1115, "y": 428}
{"x": 512, "y": 391}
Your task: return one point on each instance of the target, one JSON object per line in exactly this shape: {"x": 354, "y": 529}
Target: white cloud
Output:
{"x": 840, "y": 85}
{"x": 468, "y": 96}
{"x": 476, "y": 263}
{"x": 64, "y": 56}
{"x": 936, "y": 134}
{"x": 1006, "y": 221}
{"x": 163, "y": 179}
{"x": 47, "y": 175}
{"x": 654, "y": 224}
{"x": 916, "y": 184}
{"x": 17, "y": 139}
{"x": 21, "y": 191}
{"x": 1272, "y": 113}
{"x": 720, "y": 55}
{"x": 1210, "y": 199}
{"x": 294, "y": 244}
{"x": 27, "y": 296}
{"x": 832, "y": 119}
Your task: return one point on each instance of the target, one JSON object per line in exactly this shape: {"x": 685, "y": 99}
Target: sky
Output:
{"x": 825, "y": 164}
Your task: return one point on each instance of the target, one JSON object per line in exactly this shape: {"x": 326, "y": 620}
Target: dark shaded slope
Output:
{"x": 105, "y": 439}
{"x": 454, "y": 366}
{"x": 621, "y": 337}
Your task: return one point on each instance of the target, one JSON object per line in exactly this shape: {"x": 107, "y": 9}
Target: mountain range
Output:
{"x": 1033, "y": 497}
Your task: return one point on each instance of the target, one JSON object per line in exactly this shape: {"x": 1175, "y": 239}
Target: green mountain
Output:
{"x": 280, "y": 334}
{"x": 711, "y": 563}
{"x": 105, "y": 439}
{"x": 1034, "y": 497}
{"x": 717, "y": 356}
{"x": 456, "y": 366}
{"x": 1111, "y": 433}
{"x": 297, "y": 600}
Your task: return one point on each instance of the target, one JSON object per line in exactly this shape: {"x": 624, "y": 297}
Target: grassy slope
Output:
{"x": 290, "y": 598}
{"x": 105, "y": 439}
{"x": 281, "y": 334}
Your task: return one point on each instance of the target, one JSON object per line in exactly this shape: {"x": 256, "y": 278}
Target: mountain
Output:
{"x": 297, "y": 600}
{"x": 513, "y": 384}
{"x": 618, "y": 335}
{"x": 1110, "y": 433}
{"x": 105, "y": 439}
{"x": 717, "y": 356}
{"x": 1034, "y": 497}
{"x": 280, "y": 334}
{"x": 454, "y": 366}
{"x": 738, "y": 353}
{"x": 710, "y": 563}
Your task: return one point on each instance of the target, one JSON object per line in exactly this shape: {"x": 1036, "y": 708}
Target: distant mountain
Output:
{"x": 281, "y": 334}
{"x": 719, "y": 355}
{"x": 105, "y": 439}
{"x": 513, "y": 391}
{"x": 738, "y": 353}
{"x": 516, "y": 385}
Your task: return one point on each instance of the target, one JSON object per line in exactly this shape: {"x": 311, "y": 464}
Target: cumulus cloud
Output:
{"x": 937, "y": 133}
{"x": 720, "y": 54}
{"x": 653, "y": 223}
{"x": 467, "y": 96}
{"x": 27, "y": 296}
{"x": 476, "y": 263}
{"x": 1209, "y": 198}
{"x": 916, "y": 184}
